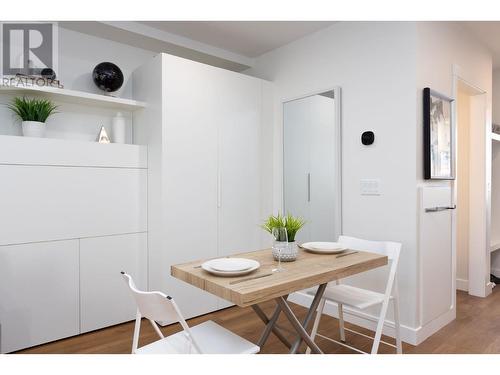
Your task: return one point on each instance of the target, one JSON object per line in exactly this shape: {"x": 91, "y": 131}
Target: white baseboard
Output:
{"x": 424, "y": 332}
{"x": 410, "y": 335}
{"x": 368, "y": 321}
{"x": 463, "y": 285}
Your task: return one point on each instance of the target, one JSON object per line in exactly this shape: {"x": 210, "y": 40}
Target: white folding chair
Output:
{"x": 207, "y": 337}
{"x": 360, "y": 299}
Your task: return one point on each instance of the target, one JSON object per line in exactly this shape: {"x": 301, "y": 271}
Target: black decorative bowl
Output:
{"x": 107, "y": 76}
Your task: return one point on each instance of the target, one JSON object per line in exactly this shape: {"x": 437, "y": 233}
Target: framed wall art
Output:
{"x": 438, "y": 136}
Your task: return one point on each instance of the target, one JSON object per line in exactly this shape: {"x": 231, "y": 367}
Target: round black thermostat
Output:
{"x": 367, "y": 138}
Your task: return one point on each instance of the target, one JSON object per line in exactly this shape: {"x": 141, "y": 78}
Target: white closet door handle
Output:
{"x": 309, "y": 187}
{"x": 219, "y": 189}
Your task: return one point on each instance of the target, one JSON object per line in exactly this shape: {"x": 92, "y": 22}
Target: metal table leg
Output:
{"x": 271, "y": 326}
{"x": 309, "y": 315}
{"x": 298, "y": 327}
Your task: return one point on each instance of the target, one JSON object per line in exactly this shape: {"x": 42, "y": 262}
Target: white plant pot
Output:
{"x": 288, "y": 253}
{"x": 34, "y": 129}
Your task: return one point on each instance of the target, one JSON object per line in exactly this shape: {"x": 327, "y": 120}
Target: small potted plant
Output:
{"x": 33, "y": 113}
{"x": 292, "y": 225}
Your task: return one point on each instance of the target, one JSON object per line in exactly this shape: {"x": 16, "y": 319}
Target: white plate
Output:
{"x": 206, "y": 266}
{"x": 231, "y": 264}
{"x": 323, "y": 247}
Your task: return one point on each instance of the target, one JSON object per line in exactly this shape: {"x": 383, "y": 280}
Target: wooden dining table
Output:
{"x": 308, "y": 271}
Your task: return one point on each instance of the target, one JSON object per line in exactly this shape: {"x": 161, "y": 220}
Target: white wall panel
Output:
{"x": 56, "y": 152}
{"x": 38, "y": 293}
{"x": 105, "y": 299}
{"x": 41, "y": 203}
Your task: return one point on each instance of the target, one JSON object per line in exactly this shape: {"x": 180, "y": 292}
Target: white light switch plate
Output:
{"x": 369, "y": 186}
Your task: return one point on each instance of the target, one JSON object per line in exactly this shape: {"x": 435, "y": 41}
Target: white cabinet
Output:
{"x": 73, "y": 215}
{"x": 38, "y": 293}
{"x": 312, "y": 166}
{"x": 104, "y": 298}
{"x": 204, "y": 137}
{"x": 69, "y": 202}
{"x": 436, "y": 252}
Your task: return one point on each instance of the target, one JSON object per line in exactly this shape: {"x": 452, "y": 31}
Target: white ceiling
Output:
{"x": 488, "y": 32}
{"x": 248, "y": 38}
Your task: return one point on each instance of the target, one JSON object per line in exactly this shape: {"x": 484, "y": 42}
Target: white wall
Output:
{"x": 78, "y": 55}
{"x": 374, "y": 64}
{"x": 382, "y": 68}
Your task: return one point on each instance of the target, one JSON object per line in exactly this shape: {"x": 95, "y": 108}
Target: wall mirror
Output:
{"x": 311, "y": 164}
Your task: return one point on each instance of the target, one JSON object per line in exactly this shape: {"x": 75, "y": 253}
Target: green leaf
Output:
{"x": 292, "y": 224}
{"x": 27, "y": 109}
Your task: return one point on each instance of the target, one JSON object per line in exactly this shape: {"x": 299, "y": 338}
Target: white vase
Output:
{"x": 288, "y": 253}
{"x": 118, "y": 128}
{"x": 34, "y": 129}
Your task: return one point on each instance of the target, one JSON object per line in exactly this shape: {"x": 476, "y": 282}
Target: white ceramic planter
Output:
{"x": 34, "y": 129}
{"x": 289, "y": 251}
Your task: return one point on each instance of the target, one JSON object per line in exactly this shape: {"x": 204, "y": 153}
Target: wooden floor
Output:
{"x": 476, "y": 330}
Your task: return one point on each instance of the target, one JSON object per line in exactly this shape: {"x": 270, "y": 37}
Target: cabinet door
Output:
{"x": 323, "y": 155}
{"x": 239, "y": 119}
{"x": 104, "y": 297}
{"x": 436, "y": 252}
{"x": 296, "y": 166}
{"x": 239, "y": 164}
{"x": 38, "y": 293}
{"x": 189, "y": 180}
{"x": 70, "y": 202}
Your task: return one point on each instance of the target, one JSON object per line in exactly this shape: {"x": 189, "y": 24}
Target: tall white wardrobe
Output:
{"x": 206, "y": 129}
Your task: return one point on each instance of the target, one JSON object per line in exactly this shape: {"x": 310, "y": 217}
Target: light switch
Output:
{"x": 370, "y": 186}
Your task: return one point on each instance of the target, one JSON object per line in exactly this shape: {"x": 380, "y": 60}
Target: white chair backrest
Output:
{"x": 153, "y": 305}
{"x": 156, "y": 307}
{"x": 390, "y": 249}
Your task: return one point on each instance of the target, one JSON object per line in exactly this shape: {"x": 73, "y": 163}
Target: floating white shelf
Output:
{"x": 76, "y": 97}
{"x": 495, "y": 136}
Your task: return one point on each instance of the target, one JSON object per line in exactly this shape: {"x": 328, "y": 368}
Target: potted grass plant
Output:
{"x": 291, "y": 225}
{"x": 33, "y": 114}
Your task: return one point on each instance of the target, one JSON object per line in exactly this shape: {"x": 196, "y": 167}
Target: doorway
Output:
{"x": 472, "y": 191}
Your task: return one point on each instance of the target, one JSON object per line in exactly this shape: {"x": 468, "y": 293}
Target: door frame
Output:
{"x": 479, "y": 269}
{"x": 337, "y": 93}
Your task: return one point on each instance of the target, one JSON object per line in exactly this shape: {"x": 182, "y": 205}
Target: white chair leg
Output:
{"x": 380, "y": 327}
{"x": 397, "y": 326}
{"x": 341, "y": 322}
{"x": 319, "y": 312}
{"x": 137, "y": 329}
